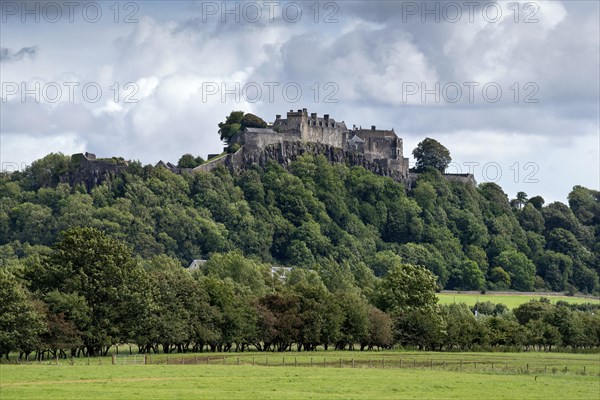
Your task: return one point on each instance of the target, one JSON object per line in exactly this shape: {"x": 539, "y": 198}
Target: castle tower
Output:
{"x": 298, "y": 121}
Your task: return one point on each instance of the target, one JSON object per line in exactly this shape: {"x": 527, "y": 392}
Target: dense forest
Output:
{"x": 82, "y": 270}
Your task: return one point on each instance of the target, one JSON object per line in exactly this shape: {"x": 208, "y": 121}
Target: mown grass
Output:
{"x": 453, "y": 376}
{"x": 510, "y": 300}
{"x": 259, "y": 382}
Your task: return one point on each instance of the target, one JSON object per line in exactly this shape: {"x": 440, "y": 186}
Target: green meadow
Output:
{"x": 423, "y": 375}
{"x": 510, "y": 300}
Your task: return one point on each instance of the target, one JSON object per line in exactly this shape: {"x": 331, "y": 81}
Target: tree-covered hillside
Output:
{"x": 345, "y": 223}
{"x": 82, "y": 271}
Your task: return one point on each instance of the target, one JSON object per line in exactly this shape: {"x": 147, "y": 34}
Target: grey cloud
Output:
{"x": 7, "y": 55}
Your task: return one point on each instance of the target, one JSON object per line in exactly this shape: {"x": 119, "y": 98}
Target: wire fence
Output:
{"x": 303, "y": 361}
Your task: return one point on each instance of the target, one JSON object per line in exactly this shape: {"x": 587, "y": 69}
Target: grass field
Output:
{"x": 474, "y": 379}
{"x": 511, "y": 300}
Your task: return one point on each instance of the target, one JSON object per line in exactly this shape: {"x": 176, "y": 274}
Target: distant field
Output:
{"x": 511, "y": 300}
{"x": 475, "y": 378}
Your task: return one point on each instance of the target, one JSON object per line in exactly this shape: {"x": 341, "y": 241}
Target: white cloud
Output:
{"x": 368, "y": 54}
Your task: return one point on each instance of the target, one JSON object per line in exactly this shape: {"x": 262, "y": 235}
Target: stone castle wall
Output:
{"x": 312, "y": 128}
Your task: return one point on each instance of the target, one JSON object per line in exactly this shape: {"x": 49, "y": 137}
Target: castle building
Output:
{"x": 377, "y": 150}
{"x": 381, "y": 148}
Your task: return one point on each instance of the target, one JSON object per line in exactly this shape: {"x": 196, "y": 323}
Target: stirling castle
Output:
{"x": 377, "y": 150}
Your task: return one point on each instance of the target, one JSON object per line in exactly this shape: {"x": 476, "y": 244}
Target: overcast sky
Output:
{"x": 512, "y": 89}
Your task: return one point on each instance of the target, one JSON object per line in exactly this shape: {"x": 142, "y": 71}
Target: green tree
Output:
{"x": 380, "y": 333}
{"x": 252, "y": 121}
{"x": 500, "y": 278}
{"x": 407, "y": 287}
{"x": 519, "y": 267}
{"x": 231, "y": 127}
{"x": 189, "y": 161}
{"x": 91, "y": 264}
{"x": 240, "y": 269}
{"x": 403, "y": 223}
{"x": 461, "y": 326}
{"x": 236, "y": 122}
{"x": 531, "y": 219}
{"x": 467, "y": 276}
{"x": 556, "y": 269}
{"x": 431, "y": 153}
{"x": 355, "y": 318}
{"x": 537, "y": 202}
{"x": 20, "y": 323}
{"x": 419, "y": 327}
{"x": 521, "y": 199}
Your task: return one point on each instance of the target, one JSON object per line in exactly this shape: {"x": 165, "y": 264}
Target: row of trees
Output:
{"x": 90, "y": 293}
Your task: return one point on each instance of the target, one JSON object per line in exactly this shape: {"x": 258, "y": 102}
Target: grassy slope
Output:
{"x": 511, "y": 301}
{"x": 260, "y": 382}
